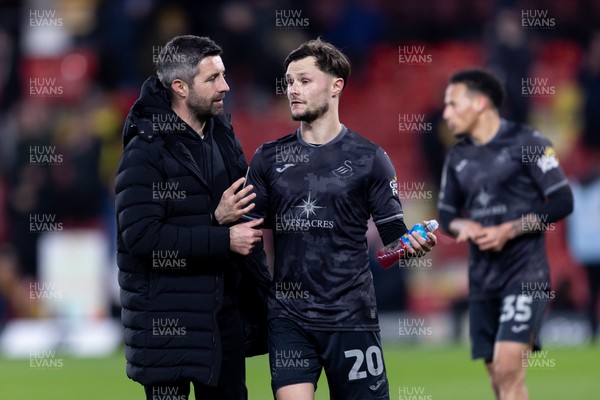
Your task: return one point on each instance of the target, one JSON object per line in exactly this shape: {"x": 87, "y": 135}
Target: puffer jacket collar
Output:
{"x": 154, "y": 101}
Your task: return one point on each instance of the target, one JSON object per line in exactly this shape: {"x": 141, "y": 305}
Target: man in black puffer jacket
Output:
{"x": 193, "y": 280}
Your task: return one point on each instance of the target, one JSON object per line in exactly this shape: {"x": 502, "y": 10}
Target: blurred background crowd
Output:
{"x": 71, "y": 69}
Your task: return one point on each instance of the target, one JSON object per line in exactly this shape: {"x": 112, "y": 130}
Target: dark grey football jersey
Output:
{"x": 318, "y": 200}
{"x": 498, "y": 182}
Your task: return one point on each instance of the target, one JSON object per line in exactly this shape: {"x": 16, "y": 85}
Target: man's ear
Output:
{"x": 480, "y": 102}
{"x": 338, "y": 86}
{"x": 179, "y": 88}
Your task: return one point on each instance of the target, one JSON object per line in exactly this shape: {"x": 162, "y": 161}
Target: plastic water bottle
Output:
{"x": 396, "y": 250}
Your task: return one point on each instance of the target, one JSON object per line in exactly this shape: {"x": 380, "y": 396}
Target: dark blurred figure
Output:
{"x": 121, "y": 26}
{"x": 14, "y": 302}
{"x": 589, "y": 79}
{"x": 510, "y": 59}
{"x": 355, "y": 26}
{"x": 9, "y": 53}
{"x": 76, "y": 180}
{"x": 29, "y": 189}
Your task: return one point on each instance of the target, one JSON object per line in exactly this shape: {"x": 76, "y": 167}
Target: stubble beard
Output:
{"x": 203, "y": 109}
{"x": 310, "y": 115}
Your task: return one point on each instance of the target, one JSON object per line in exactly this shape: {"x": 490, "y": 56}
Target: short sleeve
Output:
{"x": 257, "y": 177}
{"x": 539, "y": 157}
{"x": 451, "y": 198}
{"x": 384, "y": 203}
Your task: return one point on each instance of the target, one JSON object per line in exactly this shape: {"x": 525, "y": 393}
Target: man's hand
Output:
{"x": 233, "y": 205}
{"x": 243, "y": 237}
{"x": 465, "y": 229}
{"x": 420, "y": 246}
{"x": 495, "y": 237}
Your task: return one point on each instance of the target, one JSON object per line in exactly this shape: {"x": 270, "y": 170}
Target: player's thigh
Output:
{"x": 521, "y": 319}
{"x": 354, "y": 365}
{"x": 483, "y": 327}
{"x": 293, "y": 357}
{"x": 298, "y": 391}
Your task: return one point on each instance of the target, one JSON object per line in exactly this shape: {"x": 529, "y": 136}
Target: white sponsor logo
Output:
{"x": 286, "y": 166}
{"x": 519, "y": 328}
{"x": 345, "y": 171}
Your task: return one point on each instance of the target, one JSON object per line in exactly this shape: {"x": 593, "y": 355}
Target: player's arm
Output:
{"x": 450, "y": 205}
{"x": 552, "y": 182}
{"x": 257, "y": 179}
{"x": 558, "y": 205}
{"x": 386, "y": 208}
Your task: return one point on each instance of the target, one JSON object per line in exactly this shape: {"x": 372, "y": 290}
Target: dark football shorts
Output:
{"x": 352, "y": 360}
{"x": 514, "y": 318}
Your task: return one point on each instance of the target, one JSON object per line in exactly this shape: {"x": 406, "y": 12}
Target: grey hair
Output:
{"x": 179, "y": 58}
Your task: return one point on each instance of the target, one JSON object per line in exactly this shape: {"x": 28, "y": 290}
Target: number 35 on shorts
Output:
{"x": 374, "y": 362}
{"x": 516, "y": 307}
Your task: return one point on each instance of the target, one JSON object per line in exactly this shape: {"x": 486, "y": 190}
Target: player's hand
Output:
{"x": 420, "y": 246}
{"x": 243, "y": 237}
{"x": 233, "y": 205}
{"x": 494, "y": 237}
{"x": 468, "y": 230}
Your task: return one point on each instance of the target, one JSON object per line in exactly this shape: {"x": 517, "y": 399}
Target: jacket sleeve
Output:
{"x": 142, "y": 221}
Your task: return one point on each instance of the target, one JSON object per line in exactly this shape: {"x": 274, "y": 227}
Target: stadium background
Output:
{"x": 70, "y": 70}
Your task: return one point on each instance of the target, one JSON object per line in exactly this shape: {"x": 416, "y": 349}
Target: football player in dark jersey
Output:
{"x": 502, "y": 188}
{"x": 317, "y": 188}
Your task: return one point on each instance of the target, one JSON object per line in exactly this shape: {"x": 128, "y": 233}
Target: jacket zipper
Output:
{"x": 212, "y": 367}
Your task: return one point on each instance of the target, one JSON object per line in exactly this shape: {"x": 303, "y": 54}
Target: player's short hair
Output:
{"x": 483, "y": 82}
{"x": 179, "y": 58}
{"x": 329, "y": 58}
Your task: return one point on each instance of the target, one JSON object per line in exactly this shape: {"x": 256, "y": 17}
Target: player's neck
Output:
{"x": 322, "y": 130}
{"x": 486, "y": 128}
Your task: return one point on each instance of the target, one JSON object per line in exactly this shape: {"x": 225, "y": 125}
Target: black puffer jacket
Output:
{"x": 172, "y": 252}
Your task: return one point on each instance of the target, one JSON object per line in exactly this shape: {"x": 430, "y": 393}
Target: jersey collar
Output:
{"x": 336, "y": 139}
{"x": 501, "y": 130}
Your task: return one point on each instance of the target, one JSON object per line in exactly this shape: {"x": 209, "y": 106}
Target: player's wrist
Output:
{"x": 512, "y": 229}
